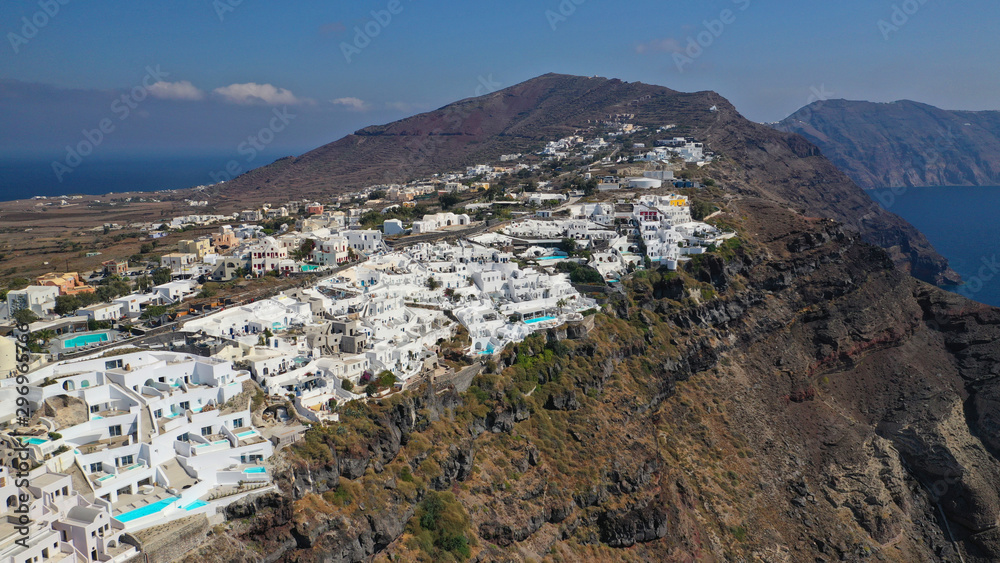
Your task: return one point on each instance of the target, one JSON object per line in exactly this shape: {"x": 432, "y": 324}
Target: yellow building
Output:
{"x": 200, "y": 247}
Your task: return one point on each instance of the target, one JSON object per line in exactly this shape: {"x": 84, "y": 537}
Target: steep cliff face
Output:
{"x": 903, "y": 143}
{"x": 816, "y": 404}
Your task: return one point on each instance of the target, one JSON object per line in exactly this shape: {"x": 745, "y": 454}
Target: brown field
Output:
{"x": 40, "y": 236}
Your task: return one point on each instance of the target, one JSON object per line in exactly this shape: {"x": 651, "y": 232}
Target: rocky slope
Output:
{"x": 903, "y": 143}
{"x": 793, "y": 399}
{"x": 762, "y": 162}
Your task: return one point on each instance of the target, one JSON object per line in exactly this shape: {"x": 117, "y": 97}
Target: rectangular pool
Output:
{"x": 35, "y": 441}
{"x": 86, "y": 340}
{"x": 247, "y": 434}
{"x": 538, "y": 320}
{"x": 255, "y": 470}
{"x": 196, "y": 504}
{"x": 146, "y": 510}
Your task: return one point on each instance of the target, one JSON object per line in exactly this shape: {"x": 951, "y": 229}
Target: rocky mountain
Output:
{"x": 793, "y": 398}
{"x": 757, "y": 160}
{"x": 903, "y": 143}
{"x": 790, "y": 397}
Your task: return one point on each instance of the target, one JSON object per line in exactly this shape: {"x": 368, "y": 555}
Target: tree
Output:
{"x": 153, "y": 312}
{"x": 162, "y": 276}
{"x": 45, "y": 335}
{"x": 376, "y": 194}
{"x": 146, "y": 248}
{"x": 701, "y": 209}
{"x": 371, "y": 389}
{"x": 66, "y": 304}
{"x": 346, "y": 385}
{"x": 386, "y": 379}
{"x": 561, "y": 304}
{"x": 305, "y": 249}
{"x": 449, "y": 200}
{"x": 143, "y": 283}
{"x": 24, "y": 316}
{"x": 567, "y": 245}
{"x": 432, "y": 283}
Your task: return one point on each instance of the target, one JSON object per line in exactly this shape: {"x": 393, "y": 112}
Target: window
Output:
{"x": 122, "y": 462}
{"x": 184, "y": 437}
{"x": 206, "y": 431}
{"x": 112, "y": 364}
{"x": 115, "y": 430}
{"x": 237, "y": 422}
{"x": 95, "y": 408}
{"x": 158, "y": 413}
{"x": 185, "y": 405}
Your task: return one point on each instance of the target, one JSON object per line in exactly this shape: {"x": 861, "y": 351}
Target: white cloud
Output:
{"x": 253, "y": 93}
{"x": 667, "y": 45}
{"x": 182, "y": 90}
{"x": 353, "y": 104}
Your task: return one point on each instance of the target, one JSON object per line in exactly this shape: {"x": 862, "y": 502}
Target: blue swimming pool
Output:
{"x": 86, "y": 340}
{"x": 255, "y": 470}
{"x": 550, "y": 258}
{"x": 196, "y": 504}
{"x": 538, "y": 320}
{"x": 146, "y": 510}
{"x": 247, "y": 433}
{"x": 35, "y": 441}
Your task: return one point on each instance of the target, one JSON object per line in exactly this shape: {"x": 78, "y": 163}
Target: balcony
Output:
{"x": 102, "y": 479}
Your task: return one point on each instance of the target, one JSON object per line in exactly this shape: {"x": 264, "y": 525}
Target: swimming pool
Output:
{"x": 255, "y": 470}
{"x": 35, "y": 441}
{"x": 86, "y": 340}
{"x": 215, "y": 443}
{"x": 196, "y": 504}
{"x": 538, "y": 320}
{"x": 146, "y": 510}
{"x": 551, "y": 258}
{"x": 247, "y": 434}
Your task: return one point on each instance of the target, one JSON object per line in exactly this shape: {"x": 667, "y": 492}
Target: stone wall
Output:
{"x": 169, "y": 542}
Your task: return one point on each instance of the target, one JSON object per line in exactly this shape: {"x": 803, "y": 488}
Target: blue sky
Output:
{"x": 222, "y": 67}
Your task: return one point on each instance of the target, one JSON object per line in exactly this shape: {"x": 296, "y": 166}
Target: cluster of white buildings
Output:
{"x": 658, "y": 227}
{"x": 118, "y": 444}
{"x": 687, "y": 148}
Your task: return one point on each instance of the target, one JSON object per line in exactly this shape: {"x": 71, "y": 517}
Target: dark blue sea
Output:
{"x": 22, "y": 178}
{"x": 962, "y": 224}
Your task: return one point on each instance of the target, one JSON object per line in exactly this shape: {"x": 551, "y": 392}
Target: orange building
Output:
{"x": 115, "y": 268}
{"x": 69, "y": 283}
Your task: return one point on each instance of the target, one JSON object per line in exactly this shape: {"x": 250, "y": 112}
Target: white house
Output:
{"x": 39, "y": 299}
{"x": 102, "y": 311}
